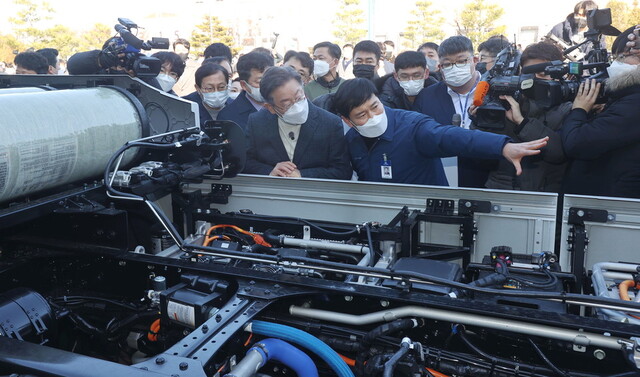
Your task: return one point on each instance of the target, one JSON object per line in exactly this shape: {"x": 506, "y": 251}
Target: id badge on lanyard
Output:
{"x": 385, "y": 168}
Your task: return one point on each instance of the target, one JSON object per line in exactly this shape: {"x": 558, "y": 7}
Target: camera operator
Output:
{"x": 527, "y": 121}
{"x": 605, "y": 148}
{"x": 97, "y": 62}
{"x": 572, "y": 29}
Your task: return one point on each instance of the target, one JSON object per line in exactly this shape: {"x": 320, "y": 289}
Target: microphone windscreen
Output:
{"x": 481, "y": 90}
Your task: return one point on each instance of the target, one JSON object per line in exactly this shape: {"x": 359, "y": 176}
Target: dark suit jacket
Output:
{"x": 321, "y": 150}
{"x": 436, "y": 102}
{"x": 204, "y": 114}
{"x": 238, "y": 111}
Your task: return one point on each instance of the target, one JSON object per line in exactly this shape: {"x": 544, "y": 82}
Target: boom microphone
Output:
{"x": 129, "y": 38}
{"x": 481, "y": 90}
{"x": 536, "y": 67}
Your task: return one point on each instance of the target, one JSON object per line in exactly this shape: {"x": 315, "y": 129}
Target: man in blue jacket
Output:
{"x": 390, "y": 145}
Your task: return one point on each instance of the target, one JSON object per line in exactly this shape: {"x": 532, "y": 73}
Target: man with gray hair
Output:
{"x": 448, "y": 102}
{"x": 291, "y": 137}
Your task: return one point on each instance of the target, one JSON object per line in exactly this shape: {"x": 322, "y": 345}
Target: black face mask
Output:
{"x": 364, "y": 71}
{"x": 481, "y": 67}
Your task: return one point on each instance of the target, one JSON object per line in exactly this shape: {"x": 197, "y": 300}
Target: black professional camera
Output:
{"x": 124, "y": 51}
{"x": 501, "y": 79}
{"x": 549, "y": 93}
{"x": 594, "y": 67}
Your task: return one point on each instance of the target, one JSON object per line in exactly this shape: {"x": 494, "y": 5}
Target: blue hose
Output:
{"x": 298, "y": 361}
{"x": 305, "y": 340}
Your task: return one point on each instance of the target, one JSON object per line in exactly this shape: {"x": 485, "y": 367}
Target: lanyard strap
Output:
{"x": 463, "y": 110}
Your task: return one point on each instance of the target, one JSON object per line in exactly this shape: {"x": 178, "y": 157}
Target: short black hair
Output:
{"x": 410, "y": 59}
{"x": 288, "y": 55}
{"x": 620, "y": 43}
{"x": 431, "y": 45}
{"x": 368, "y": 46}
{"x": 304, "y": 58}
{"x": 217, "y": 60}
{"x": 390, "y": 43}
{"x": 541, "y": 50}
{"x": 347, "y": 45}
{"x": 494, "y": 44}
{"x": 455, "y": 45}
{"x": 208, "y": 70}
{"x": 181, "y": 41}
{"x": 177, "y": 65}
{"x": 32, "y": 61}
{"x": 218, "y": 49}
{"x": 585, "y": 5}
{"x": 51, "y": 54}
{"x": 274, "y": 78}
{"x": 252, "y": 60}
{"x": 264, "y": 51}
{"x": 334, "y": 49}
{"x": 351, "y": 94}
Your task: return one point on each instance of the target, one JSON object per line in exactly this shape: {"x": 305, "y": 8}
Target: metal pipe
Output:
{"x": 248, "y": 366}
{"x": 575, "y": 337}
{"x": 324, "y": 245}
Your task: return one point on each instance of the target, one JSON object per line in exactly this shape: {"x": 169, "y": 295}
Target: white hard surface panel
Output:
{"x": 524, "y": 221}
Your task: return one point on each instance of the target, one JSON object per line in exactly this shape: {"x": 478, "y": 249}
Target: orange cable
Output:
{"x": 350, "y": 362}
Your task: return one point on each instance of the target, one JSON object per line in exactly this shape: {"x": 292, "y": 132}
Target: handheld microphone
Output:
{"x": 292, "y": 136}
{"x": 481, "y": 91}
{"x": 456, "y": 120}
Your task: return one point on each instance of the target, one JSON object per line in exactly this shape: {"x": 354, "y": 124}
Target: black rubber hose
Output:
{"x": 384, "y": 329}
{"x": 546, "y": 360}
{"x": 390, "y": 365}
{"x": 372, "y": 253}
{"x": 495, "y": 359}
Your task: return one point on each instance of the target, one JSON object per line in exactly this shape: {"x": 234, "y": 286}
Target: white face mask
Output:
{"x": 320, "y": 68}
{"x": 412, "y": 87}
{"x": 457, "y": 76}
{"x": 297, "y": 114}
{"x": 234, "y": 95}
{"x": 216, "y": 100}
{"x": 374, "y": 127}
{"x": 166, "y": 82}
{"x": 255, "y": 93}
{"x": 432, "y": 64}
{"x": 618, "y": 68}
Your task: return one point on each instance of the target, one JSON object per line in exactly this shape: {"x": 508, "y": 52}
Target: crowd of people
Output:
{"x": 362, "y": 112}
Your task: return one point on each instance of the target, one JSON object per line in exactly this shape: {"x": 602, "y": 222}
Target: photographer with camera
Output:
{"x": 121, "y": 55}
{"x": 605, "y": 148}
{"x": 526, "y": 121}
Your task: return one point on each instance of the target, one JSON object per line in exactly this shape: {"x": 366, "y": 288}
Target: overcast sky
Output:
{"x": 302, "y": 20}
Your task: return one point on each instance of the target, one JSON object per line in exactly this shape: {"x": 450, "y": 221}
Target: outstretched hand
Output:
{"x": 514, "y": 152}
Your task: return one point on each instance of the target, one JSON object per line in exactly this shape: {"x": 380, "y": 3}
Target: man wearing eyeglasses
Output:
{"x": 453, "y": 96}
{"x": 291, "y": 137}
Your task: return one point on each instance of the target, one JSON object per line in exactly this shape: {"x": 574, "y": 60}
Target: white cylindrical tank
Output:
{"x": 52, "y": 138}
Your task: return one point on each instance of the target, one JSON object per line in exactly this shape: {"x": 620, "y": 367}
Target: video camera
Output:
{"x": 501, "y": 79}
{"x": 594, "y": 67}
{"x": 124, "y": 51}
{"x": 504, "y": 78}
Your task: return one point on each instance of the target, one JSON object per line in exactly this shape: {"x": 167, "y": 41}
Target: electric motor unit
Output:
{"x": 25, "y": 315}
{"x": 51, "y": 138}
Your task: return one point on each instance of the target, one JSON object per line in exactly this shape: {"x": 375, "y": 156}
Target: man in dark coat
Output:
{"x": 250, "y": 68}
{"x": 411, "y": 75}
{"x": 571, "y": 30}
{"x": 606, "y": 148}
{"x": 291, "y": 137}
